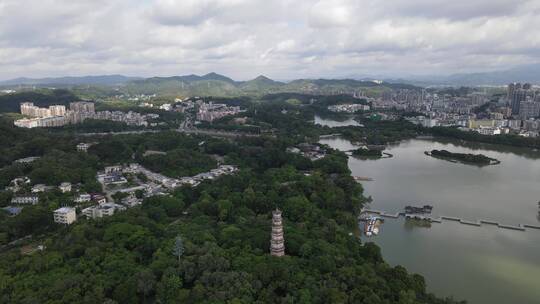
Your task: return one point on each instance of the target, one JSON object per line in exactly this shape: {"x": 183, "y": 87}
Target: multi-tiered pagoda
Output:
{"x": 277, "y": 242}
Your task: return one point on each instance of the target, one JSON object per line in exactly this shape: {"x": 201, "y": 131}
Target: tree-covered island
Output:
{"x": 466, "y": 158}
{"x": 367, "y": 153}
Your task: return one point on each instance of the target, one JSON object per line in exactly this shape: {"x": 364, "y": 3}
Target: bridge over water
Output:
{"x": 440, "y": 219}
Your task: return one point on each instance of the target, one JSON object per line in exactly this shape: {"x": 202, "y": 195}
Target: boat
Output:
{"x": 371, "y": 227}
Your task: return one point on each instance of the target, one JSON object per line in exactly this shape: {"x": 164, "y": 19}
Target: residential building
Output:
{"x": 474, "y": 124}
{"x": 12, "y": 211}
{"x": 27, "y": 160}
{"x": 83, "y": 198}
{"x": 57, "y": 110}
{"x": 83, "y": 147}
{"x": 65, "y": 215}
{"x": 98, "y": 198}
{"x": 82, "y": 107}
{"x": 113, "y": 169}
{"x": 65, "y": 187}
{"x": 25, "y": 199}
{"x": 101, "y": 210}
{"x": 518, "y": 96}
{"x": 488, "y": 130}
{"x": 39, "y": 188}
{"x": 529, "y": 109}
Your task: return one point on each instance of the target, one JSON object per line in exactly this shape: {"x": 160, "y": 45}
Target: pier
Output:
{"x": 330, "y": 135}
{"x": 440, "y": 219}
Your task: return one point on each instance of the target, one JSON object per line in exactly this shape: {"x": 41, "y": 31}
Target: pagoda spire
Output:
{"x": 277, "y": 242}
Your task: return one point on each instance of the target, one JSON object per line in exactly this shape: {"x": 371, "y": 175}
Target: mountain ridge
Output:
{"x": 70, "y": 80}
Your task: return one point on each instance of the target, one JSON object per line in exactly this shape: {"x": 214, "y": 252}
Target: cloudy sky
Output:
{"x": 283, "y": 39}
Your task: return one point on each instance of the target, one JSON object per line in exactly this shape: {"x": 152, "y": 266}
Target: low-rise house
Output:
{"x": 27, "y": 160}
{"x": 83, "y": 198}
{"x": 112, "y": 178}
{"x": 83, "y": 147}
{"x": 132, "y": 168}
{"x": 101, "y": 210}
{"x": 131, "y": 201}
{"x": 65, "y": 187}
{"x": 25, "y": 199}
{"x": 16, "y": 184}
{"x": 13, "y": 211}
{"x": 65, "y": 215}
{"x": 113, "y": 169}
{"x": 189, "y": 181}
{"x": 98, "y": 198}
{"x": 39, "y": 188}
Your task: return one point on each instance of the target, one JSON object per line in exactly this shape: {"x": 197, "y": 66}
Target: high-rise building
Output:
{"x": 529, "y": 109}
{"x": 277, "y": 241}
{"x": 510, "y": 90}
{"x": 27, "y": 109}
{"x": 82, "y": 107}
{"x": 518, "y": 96}
{"x": 57, "y": 110}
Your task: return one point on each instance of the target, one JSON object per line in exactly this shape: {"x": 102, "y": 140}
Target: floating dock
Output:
{"x": 448, "y": 218}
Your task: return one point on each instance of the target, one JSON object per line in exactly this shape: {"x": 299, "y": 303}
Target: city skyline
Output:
{"x": 280, "y": 39}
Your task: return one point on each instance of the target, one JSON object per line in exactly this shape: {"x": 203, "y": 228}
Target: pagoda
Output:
{"x": 277, "y": 242}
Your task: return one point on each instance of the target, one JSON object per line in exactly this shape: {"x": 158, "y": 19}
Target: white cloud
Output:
{"x": 280, "y": 38}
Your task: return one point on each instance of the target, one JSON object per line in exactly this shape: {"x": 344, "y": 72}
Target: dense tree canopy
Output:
{"x": 224, "y": 226}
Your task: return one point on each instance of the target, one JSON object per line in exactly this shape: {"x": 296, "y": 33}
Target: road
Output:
{"x": 185, "y": 131}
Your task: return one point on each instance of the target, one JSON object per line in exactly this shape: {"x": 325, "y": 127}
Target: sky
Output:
{"x": 282, "y": 39}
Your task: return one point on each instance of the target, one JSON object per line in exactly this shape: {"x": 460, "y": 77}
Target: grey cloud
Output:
{"x": 280, "y": 38}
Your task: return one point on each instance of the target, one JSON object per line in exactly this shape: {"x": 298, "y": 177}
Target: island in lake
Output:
{"x": 361, "y": 152}
{"x": 370, "y": 153}
{"x": 466, "y": 158}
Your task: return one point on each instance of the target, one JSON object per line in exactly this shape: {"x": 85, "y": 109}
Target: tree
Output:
{"x": 145, "y": 282}
{"x": 169, "y": 289}
{"x": 178, "y": 249}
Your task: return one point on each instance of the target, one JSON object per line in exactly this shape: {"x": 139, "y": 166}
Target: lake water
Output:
{"x": 478, "y": 264}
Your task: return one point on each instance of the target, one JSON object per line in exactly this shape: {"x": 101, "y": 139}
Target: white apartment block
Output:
{"x": 65, "y": 187}
{"x": 25, "y": 200}
{"x": 83, "y": 198}
{"x": 83, "y": 147}
{"x": 106, "y": 209}
{"x": 65, "y": 215}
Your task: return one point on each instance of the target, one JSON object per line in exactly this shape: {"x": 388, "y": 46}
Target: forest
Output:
{"x": 207, "y": 244}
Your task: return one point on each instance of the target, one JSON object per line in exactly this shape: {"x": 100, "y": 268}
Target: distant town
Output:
{"x": 58, "y": 115}
{"x": 515, "y": 112}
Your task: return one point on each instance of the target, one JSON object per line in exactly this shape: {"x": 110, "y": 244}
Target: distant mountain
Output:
{"x": 213, "y": 84}
{"x": 83, "y": 80}
{"x": 260, "y": 84}
{"x": 527, "y": 73}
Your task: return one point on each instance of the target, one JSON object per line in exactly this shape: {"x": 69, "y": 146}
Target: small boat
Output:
{"x": 371, "y": 227}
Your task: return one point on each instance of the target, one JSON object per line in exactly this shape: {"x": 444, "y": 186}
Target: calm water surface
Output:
{"x": 479, "y": 264}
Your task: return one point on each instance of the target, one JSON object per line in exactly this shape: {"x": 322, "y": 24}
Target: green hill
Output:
{"x": 213, "y": 84}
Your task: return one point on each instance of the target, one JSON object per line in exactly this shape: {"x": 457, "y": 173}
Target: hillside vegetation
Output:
{"x": 217, "y": 85}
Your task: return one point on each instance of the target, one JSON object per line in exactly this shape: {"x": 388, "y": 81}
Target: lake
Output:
{"x": 479, "y": 264}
